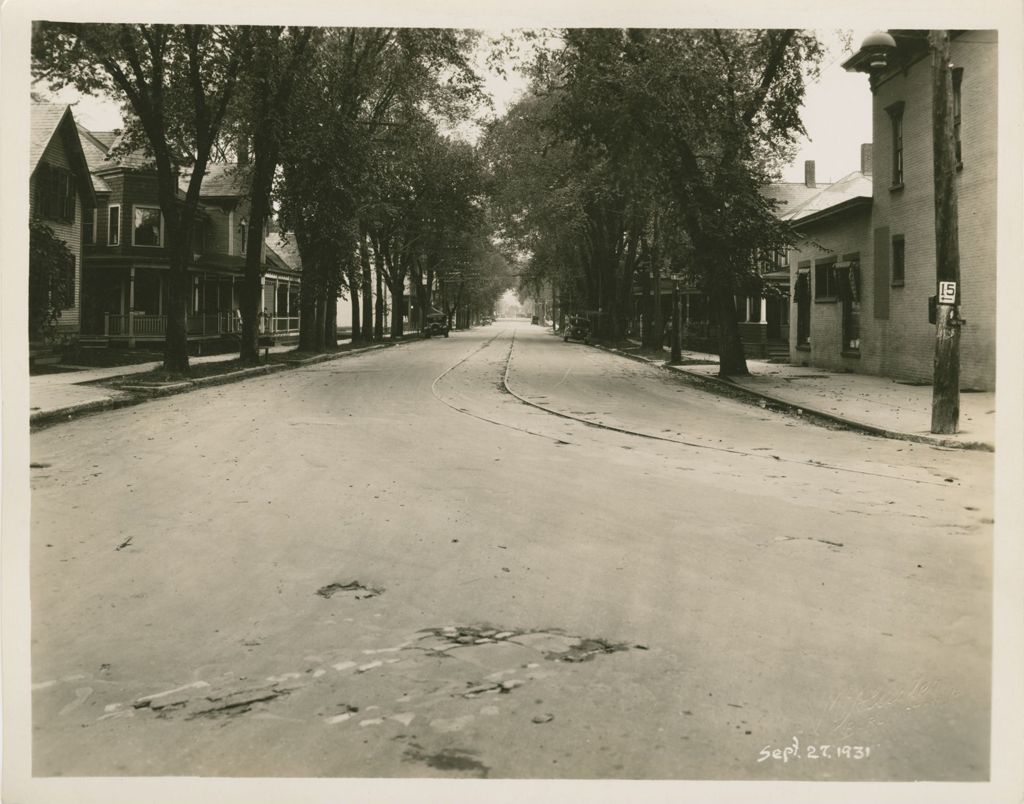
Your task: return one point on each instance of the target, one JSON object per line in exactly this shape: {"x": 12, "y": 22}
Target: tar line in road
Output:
{"x": 601, "y": 426}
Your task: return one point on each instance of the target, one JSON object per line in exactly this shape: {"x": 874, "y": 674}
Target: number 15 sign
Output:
{"x": 947, "y": 292}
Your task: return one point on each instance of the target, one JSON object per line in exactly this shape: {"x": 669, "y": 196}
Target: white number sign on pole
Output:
{"x": 947, "y": 292}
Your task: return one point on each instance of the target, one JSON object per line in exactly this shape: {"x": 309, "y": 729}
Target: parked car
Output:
{"x": 577, "y": 328}
{"x": 535, "y": 320}
{"x": 436, "y": 324}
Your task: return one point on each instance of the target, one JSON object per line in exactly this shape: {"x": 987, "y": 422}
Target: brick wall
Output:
{"x": 835, "y": 238}
{"x": 907, "y": 339}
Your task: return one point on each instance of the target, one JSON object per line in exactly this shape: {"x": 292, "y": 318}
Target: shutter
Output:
{"x": 802, "y": 290}
{"x": 69, "y": 197}
{"x": 42, "y": 189}
{"x": 854, "y": 280}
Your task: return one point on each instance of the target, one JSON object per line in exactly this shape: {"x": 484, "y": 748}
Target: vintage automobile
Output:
{"x": 577, "y": 328}
{"x": 436, "y": 324}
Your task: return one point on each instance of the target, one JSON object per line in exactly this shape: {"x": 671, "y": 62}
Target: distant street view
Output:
{"x": 380, "y": 431}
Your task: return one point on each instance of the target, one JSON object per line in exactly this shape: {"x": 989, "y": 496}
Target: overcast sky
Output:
{"x": 836, "y": 114}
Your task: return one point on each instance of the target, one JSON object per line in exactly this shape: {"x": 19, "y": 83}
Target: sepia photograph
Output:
{"x": 487, "y": 404}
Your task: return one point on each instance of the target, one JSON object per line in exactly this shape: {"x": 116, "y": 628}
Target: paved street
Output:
{"x": 402, "y": 563}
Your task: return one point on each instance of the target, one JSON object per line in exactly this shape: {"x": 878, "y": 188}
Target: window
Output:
{"x": 899, "y": 256}
{"x": 958, "y": 77}
{"x": 89, "y": 226}
{"x": 147, "y": 226}
{"x": 825, "y": 285}
{"x": 848, "y": 274}
{"x": 114, "y": 225}
{"x": 55, "y": 193}
{"x": 896, "y": 119}
{"x": 243, "y": 233}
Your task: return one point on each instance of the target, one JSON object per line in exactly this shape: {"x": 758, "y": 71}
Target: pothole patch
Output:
{"x": 449, "y": 759}
{"x": 550, "y": 644}
{"x": 352, "y": 589}
{"x": 190, "y": 704}
{"x": 586, "y": 649}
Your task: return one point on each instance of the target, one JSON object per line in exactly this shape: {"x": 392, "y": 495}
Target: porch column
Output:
{"x": 131, "y": 307}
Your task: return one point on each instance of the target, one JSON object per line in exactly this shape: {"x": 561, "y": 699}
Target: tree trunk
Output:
{"x": 658, "y": 339}
{"x": 367, "y": 287}
{"x": 331, "y": 321}
{"x": 378, "y": 323}
{"x": 354, "y": 298}
{"x": 308, "y": 302}
{"x": 397, "y": 288}
{"x": 732, "y": 361}
{"x": 265, "y": 162}
{"x": 176, "y": 336}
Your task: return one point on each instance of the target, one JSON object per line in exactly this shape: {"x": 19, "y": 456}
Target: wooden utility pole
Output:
{"x": 946, "y": 378}
{"x": 677, "y": 323}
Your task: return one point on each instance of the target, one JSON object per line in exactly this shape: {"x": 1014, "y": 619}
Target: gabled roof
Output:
{"x": 46, "y": 121}
{"x": 851, "y": 190}
{"x": 133, "y": 160}
{"x": 105, "y": 138}
{"x": 221, "y": 181}
{"x": 788, "y": 195}
{"x": 95, "y": 156}
{"x": 283, "y": 246}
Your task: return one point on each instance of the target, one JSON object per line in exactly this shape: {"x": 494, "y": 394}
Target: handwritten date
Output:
{"x": 795, "y": 751}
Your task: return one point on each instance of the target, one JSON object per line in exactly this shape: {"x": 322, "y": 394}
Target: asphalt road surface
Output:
{"x": 428, "y": 561}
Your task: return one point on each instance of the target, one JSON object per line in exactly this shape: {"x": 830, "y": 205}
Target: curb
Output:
{"x": 137, "y": 394}
{"x": 871, "y": 429}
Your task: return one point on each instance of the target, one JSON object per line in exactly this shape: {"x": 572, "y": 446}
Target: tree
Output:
{"x": 264, "y": 116}
{"x": 712, "y": 114}
{"x": 51, "y": 280}
{"x": 176, "y": 82}
{"x": 371, "y": 91}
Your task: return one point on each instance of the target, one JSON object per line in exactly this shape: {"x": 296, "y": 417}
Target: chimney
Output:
{"x": 865, "y": 158}
{"x": 243, "y": 150}
{"x": 809, "y": 173}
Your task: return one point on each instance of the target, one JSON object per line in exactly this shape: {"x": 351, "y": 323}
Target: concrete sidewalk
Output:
{"x": 68, "y": 393}
{"x": 875, "y": 404}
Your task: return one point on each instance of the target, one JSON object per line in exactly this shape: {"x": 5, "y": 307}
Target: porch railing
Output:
{"x": 145, "y": 326}
{"x": 282, "y": 324}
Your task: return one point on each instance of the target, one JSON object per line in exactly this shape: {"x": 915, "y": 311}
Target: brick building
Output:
{"x": 896, "y": 256}
{"x": 826, "y": 272}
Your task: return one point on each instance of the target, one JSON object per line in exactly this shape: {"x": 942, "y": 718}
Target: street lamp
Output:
{"x": 876, "y": 47}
